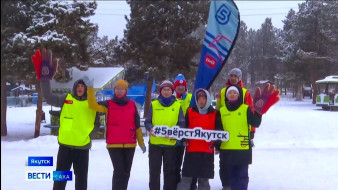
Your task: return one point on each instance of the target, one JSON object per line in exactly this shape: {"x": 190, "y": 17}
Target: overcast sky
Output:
{"x": 110, "y": 14}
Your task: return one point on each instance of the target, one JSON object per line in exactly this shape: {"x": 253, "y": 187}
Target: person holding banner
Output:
{"x": 236, "y": 117}
{"x": 183, "y": 97}
{"x": 199, "y": 156}
{"x": 78, "y": 123}
{"x": 123, "y": 130}
{"x": 165, "y": 110}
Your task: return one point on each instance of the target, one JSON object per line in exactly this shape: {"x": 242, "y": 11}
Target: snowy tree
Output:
{"x": 158, "y": 41}
{"x": 103, "y": 51}
{"x": 254, "y": 55}
{"x": 311, "y": 42}
{"x": 29, "y": 25}
{"x": 269, "y": 51}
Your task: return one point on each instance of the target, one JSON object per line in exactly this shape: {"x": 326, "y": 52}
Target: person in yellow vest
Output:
{"x": 181, "y": 92}
{"x": 235, "y": 78}
{"x": 123, "y": 130}
{"x": 165, "y": 110}
{"x": 236, "y": 117}
{"x": 184, "y": 98}
{"x": 77, "y": 121}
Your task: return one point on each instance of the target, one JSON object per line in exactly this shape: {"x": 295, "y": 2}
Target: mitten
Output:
{"x": 88, "y": 82}
{"x": 264, "y": 100}
{"x": 273, "y": 98}
{"x": 37, "y": 60}
{"x": 48, "y": 67}
{"x": 143, "y": 148}
{"x": 252, "y": 135}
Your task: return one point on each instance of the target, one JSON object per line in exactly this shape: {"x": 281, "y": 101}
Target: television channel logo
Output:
{"x": 39, "y": 176}
{"x": 39, "y": 161}
{"x": 62, "y": 175}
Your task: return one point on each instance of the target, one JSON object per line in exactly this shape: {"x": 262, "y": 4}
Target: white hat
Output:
{"x": 231, "y": 88}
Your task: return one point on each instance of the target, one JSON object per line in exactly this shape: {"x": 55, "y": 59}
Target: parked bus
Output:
{"x": 327, "y": 93}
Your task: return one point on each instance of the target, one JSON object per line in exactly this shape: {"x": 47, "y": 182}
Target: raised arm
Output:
{"x": 92, "y": 103}
{"x": 56, "y": 100}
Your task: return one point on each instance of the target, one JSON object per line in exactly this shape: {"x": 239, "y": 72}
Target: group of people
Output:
{"x": 236, "y": 112}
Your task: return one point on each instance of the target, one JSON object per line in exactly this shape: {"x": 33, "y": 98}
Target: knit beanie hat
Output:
{"x": 231, "y": 88}
{"x": 122, "y": 83}
{"x": 237, "y": 72}
{"x": 180, "y": 80}
{"x": 167, "y": 83}
{"x": 201, "y": 93}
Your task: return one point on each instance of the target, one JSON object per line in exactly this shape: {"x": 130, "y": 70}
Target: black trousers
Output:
{"x": 238, "y": 176}
{"x": 122, "y": 160}
{"x": 179, "y": 159}
{"x": 224, "y": 175}
{"x": 79, "y": 158}
{"x": 156, "y": 155}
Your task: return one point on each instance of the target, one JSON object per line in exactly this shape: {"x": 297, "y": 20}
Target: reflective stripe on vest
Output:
{"x": 236, "y": 123}
{"x": 76, "y": 122}
{"x": 223, "y": 95}
{"x": 164, "y": 116}
{"x": 185, "y": 102}
{"x": 205, "y": 121}
{"x": 121, "y": 127}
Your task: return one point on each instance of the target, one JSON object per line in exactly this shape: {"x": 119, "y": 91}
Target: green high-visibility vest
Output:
{"x": 223, "y": 95}
{"x": 164, "y": 116}
{"x": 185, "y": 103}
{"x": 76, "y": 122}
{"x": 236, "y": 123}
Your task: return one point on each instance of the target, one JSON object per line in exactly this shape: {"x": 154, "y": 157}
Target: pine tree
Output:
{"x": 311, "y": 34}
{"x": 268, "y": 50}
{"x": 158, "y": 40}
{"x": 29, "y": 25}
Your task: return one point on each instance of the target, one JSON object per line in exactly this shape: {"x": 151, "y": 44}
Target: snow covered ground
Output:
{"x": 296, "y": 148}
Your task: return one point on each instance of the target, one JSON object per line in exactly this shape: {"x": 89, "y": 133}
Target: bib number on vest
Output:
{"x": 195, "y": 133}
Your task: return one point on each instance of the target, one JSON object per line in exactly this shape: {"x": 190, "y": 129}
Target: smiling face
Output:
{"x": 232, "y": 95}
{"x": 180, "y": 89}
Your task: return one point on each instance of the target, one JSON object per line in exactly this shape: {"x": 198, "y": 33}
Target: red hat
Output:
{"x": 180, "y": 80}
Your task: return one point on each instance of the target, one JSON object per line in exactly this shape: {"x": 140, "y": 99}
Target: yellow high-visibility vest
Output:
{"x": 164, "y": 116}
{"x": 236, "y": 123}
{"x": 185, "y": 102}
{"x": 76, "y": 122}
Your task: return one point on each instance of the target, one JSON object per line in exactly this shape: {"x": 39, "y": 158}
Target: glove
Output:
{"x": 143, "y": 148}
{"x": 88, "y": 82}
{"x": 152, "y": 132}
{"x": 264, "y": 100}
{"x": 252, "y": 135}
{"x": 48, "y": 68}
{"x": 37, "y": 60}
